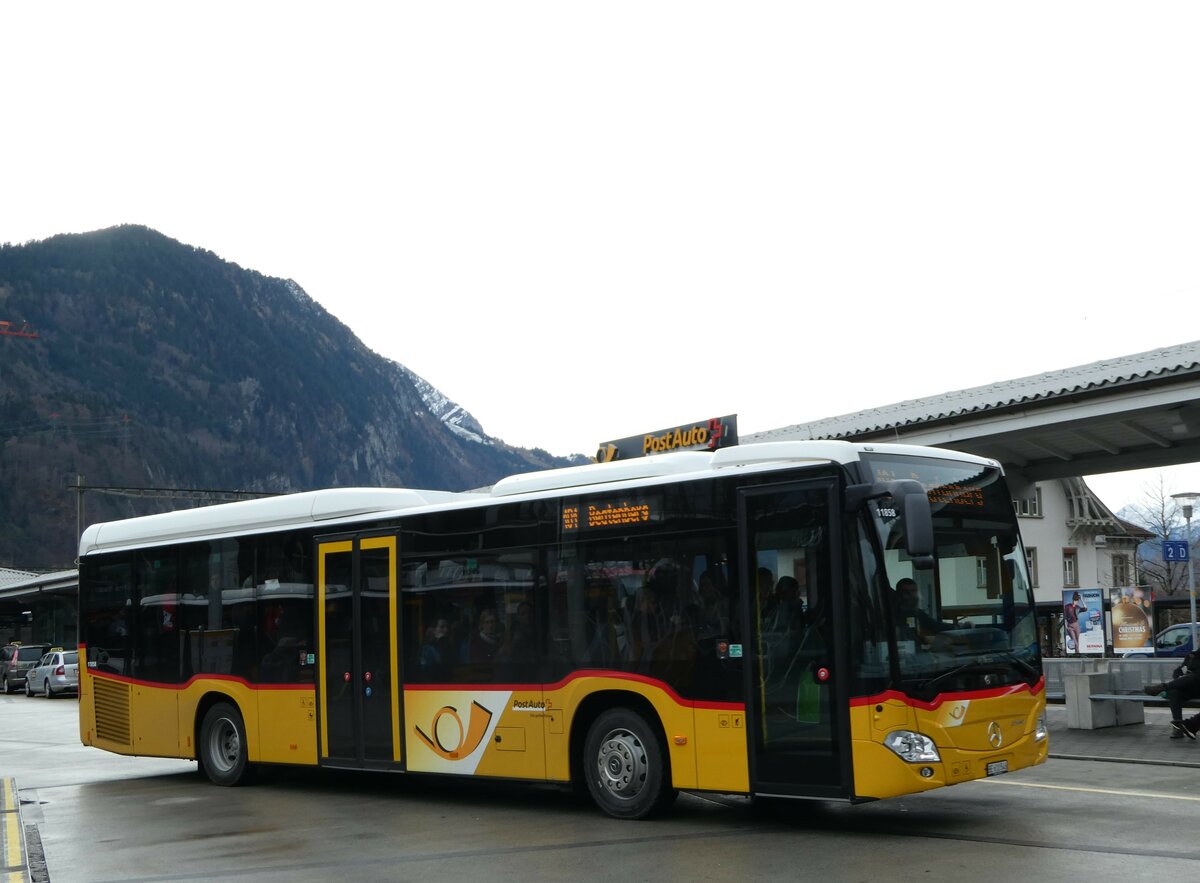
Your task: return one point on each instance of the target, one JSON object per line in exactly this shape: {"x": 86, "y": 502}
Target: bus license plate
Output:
{"x": 997, "y": 767}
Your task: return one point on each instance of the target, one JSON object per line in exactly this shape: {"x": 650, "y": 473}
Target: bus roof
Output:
{"x": 349, "y": 504}
{"x": 265, "y": 514}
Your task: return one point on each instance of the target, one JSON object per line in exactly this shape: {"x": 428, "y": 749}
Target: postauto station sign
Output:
{"x": 706, "y": 435}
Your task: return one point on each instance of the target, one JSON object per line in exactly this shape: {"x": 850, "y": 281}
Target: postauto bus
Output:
{"x": 723, "y": 621}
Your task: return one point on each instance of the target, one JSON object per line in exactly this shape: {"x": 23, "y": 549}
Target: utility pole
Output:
{"x": 78, "y": 510}
{"x": 11, "y": 329}
{"x": 1187, "y": 501}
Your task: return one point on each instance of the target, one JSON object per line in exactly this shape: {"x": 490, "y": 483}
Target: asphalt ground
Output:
{"x": 1144, "y": 743}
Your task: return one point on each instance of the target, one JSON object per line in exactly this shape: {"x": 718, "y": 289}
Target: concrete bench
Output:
{"x": 1091, "y": 703}
{"x": 1126, "y": 676}
{"x": 1057, "y": 669}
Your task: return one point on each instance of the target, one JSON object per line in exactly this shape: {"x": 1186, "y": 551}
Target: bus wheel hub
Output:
{"x": 622, "y": 763}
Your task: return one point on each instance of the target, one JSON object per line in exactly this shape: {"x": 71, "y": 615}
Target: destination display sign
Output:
{"x": 716, "y": 432}
{"x": 955, "y": 495}
{"x": 615, "y": 512}
{"x": 942, "y": 489}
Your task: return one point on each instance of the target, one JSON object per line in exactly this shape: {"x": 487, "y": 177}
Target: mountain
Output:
{"x": 160, "y": 365}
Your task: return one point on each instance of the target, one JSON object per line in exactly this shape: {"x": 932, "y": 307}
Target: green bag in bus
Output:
{"x": 808, "y": 699}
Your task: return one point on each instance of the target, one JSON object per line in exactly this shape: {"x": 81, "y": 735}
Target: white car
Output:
{"x": 56, "y": 672}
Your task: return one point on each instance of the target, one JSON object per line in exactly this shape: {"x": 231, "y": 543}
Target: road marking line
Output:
{"x": 12, "y": 841}
{"x": 13, "y": 846}
{"x": 1151, "y": 794}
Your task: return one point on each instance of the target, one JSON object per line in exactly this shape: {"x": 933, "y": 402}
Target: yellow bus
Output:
{"x": 796, "y": 619}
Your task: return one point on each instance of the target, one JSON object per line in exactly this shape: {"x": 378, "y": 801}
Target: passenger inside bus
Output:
{"x": 602, "y": 647}
{"x": 673, "y": 658}
{"x": 518, "y": 653}
{"x": 782, "y": 605}
{"x": 282, "y": 662}
{"x": 437, "y": 653}
{"x": 649, "y": 627}
{"x": 714, "y": 616}
{"x": 483, "y": 645}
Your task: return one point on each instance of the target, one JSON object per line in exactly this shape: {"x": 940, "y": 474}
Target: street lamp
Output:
{"x": 1186, "y": 501}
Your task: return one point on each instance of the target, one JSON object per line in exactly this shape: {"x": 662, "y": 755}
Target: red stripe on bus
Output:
{"x": 950, "y": 697}
{"x": 109, "y": 676}
{"x": 461, "y": 688}
{"x": 585, "y": 673}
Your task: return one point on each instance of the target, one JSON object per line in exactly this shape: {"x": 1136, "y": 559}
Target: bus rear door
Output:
{"x": 359, "y": 677}
{"x": 795, "y": 698}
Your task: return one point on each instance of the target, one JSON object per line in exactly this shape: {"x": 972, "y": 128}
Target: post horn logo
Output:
{"x": 468, "y": 737}
{"x": 607, "y": 453}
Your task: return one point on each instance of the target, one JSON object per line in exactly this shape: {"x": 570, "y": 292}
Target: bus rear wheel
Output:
{"x": 626, "y": 767}
{"x": 223, "y": 751}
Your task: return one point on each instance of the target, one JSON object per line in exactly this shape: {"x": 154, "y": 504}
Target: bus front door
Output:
{"x": 789, "y": 545}
{"x": 359, "y": 697}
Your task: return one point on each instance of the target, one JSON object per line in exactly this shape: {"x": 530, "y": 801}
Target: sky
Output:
{"x": 586, "y": 221}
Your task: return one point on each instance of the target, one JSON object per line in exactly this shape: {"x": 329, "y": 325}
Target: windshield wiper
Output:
{"x": 990, "y": 665}
{"x": 1032, "y": 673}
{"x": 957, "y": 670}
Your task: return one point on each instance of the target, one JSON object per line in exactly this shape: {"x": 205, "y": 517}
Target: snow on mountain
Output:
{"x": 454, "y": 416}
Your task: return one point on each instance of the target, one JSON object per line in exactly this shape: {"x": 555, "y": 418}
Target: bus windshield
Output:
{"x": 968, "y": 622}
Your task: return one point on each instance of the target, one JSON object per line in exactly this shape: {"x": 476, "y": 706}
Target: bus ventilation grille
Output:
{"x": 112, "y": 711}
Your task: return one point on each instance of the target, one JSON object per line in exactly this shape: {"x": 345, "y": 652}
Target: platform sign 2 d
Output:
{"x": 1175, "y": 550}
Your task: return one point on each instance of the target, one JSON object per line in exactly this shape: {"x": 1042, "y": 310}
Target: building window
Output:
{"x": 1070, "y": 568}
{"x": 1031, "y": 563}
{"x": 1030, "y": 507}
{"x": 1120, "y": 570}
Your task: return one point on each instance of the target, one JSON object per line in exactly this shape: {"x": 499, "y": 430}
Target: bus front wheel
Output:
{"x": 626, "y": 766}
{"x": 223, "y": 752}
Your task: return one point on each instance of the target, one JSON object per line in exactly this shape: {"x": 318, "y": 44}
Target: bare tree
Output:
{"x": 1160, "y": 515}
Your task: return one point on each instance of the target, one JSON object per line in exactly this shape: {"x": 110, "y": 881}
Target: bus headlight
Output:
{"x": 1042, "y": 730}
{"x": 912, "y": 747}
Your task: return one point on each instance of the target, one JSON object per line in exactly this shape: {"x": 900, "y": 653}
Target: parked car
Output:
{"x": 15, "y": 662}
{"x": 1175, "y": 640}
{"x": 56, "y": 672}
{"x": 7, "y": 652}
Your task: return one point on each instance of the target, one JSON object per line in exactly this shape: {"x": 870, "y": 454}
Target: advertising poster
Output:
{"x": 1131, "y": 626}
{"x": 1083, "y": 621}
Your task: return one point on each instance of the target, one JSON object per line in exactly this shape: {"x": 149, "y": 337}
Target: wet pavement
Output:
{"x": 1150, "y": 742}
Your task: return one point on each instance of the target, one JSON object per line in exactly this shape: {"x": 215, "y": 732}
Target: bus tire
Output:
{"x": 626, "y": 767}
{"x": 223, "y": 750}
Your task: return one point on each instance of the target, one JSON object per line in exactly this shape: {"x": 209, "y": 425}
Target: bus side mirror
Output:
{"x": 910, "y": 497}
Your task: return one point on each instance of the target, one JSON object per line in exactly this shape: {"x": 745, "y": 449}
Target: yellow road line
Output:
{"x": 12, "y": 844}
{"x": 1151, "y": 794}
{"x": 12, "y": 840}
{"x": 12, "y": 852}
